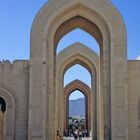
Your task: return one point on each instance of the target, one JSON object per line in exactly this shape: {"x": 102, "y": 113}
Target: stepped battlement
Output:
{"x": 15, "y": 67}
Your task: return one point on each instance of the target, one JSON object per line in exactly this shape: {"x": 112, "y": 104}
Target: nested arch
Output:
{"x": 83, "y": 88}
{"x": 76, "y": 54}
{"x": 77, "y": 84}
{"x": 8, "y": 96}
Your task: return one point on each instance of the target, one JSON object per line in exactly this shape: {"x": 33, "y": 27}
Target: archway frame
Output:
{"x": 90, "y": 62}
{"x": 85, "y": 90}
{"x": 9, "y": 96}
{"x": 113, "y": 60}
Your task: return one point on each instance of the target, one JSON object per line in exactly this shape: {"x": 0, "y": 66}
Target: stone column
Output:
{"x": 119, "y": 105}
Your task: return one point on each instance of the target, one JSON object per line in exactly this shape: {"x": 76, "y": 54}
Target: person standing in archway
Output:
{"x": 80, "y": 134}
{"x": 76, "y": 134}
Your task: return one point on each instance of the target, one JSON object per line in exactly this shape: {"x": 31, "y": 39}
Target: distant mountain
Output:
{"x": 77, "y": 107}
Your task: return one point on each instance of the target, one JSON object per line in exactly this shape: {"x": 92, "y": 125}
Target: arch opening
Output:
{"x": 78, "y": 35}
{"x": 2, "y": 105}
{"x": 94, "y": 31}
{"x": 91, "y": 67}
{"x": 79, "y": 72}
{"x": 73, "y": 88}
{"x": 77, "y": 107}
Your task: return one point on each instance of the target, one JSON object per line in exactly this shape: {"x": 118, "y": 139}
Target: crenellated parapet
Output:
{"x": 16, "y": 67}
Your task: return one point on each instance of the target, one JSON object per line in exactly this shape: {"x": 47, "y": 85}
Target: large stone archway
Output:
{"x": 107, "y": 27}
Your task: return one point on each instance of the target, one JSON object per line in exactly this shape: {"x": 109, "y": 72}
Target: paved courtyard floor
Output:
{"x": 70, "y": 138}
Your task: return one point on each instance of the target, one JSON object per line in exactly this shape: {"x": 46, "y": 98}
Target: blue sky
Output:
{"x": 76, "y": 94}
{"x": 16, "y": 18}
{"x": 130, "y": 12}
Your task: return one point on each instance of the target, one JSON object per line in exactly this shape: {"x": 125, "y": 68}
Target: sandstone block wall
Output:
{"x": 134, "y": 99}
{"x": 15, "y": 78}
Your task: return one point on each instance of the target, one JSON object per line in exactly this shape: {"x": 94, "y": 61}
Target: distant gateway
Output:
{"x": 32, "y": 96}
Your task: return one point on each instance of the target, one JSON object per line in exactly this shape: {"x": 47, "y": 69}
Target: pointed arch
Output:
{"x": 77, "y": 54}
{"x": 77, "y": 71}
{"x": 9, "y": 96}
{"x": 74, "y": 54}
{"x": 82, "y": 87}
{"x": 69, "y": 10}
{"x": 110, "y": 34}
{"x": 78, "y": 35}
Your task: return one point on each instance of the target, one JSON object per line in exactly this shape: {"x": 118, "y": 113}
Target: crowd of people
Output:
{"x": 77, "y": 133}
